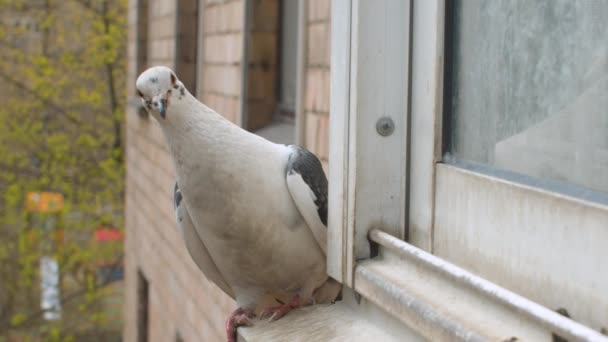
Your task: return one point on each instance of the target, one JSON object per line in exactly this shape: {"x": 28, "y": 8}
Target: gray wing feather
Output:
{"x": 195, "y": 246}
{"x": 307, "y": 185}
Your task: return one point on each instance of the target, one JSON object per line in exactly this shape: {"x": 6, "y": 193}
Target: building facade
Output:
{"x": 263, "y": 64}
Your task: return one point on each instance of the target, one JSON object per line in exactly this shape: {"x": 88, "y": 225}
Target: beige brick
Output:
{"x": 221, "y": 22}
{"x": 210, "y": 100}
{"x": 131, "y": 51}
{"x": 324, "y": 96}
{"x": 319, "y": 44}
{"x": 212, "y": 50}
{"x": 224, "y": 17}
{"x": 313, "y": 82}
{"x": 323, "y": 137}
{"x": 234, "y": 48}
{"x": 132, "y": 14}
{"x": 233, "y": 109}
{"x": 219, "y": 103}
{"x": 155, "y": 7}
{"x": 209, "y": 19}
{"x": 169, "y": 46}
{"x": 225, "y": 48}
{"x": 317, "y": 90}
{"x": 131, "y": 32}
{"x": 222, "y": 79}
{"x": 312, "y": 131}
{"x": 226, "y": 106}
{"x": 234, "y": 16}
{"x": 162, "y": 49}
{"x": 161, "y": 27}
{"x": 319, "y": 9}
{"x": 167, "y": 7}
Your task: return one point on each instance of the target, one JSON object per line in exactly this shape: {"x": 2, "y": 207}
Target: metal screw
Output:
{"x": 385, "y": 126}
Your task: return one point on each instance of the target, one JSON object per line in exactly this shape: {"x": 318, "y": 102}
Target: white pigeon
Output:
{"x": 253, "y": 213}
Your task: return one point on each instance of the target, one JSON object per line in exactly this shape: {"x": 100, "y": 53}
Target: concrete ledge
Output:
{"x": 343, "y": 321}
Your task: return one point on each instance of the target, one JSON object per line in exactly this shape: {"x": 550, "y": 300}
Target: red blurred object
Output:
{"x": 108, "y": 234}
{"x": 108, "y": 269}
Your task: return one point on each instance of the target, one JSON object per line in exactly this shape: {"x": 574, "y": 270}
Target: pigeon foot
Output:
{"x": 273, "y": 313}
{"x": 239, "y": 317}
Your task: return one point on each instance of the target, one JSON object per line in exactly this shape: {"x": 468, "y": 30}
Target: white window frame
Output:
{"x": 368, "y": 82}
{"x": 388, "y": 61}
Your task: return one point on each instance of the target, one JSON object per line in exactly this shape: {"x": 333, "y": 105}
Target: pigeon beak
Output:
{"x": 160, "y": 104}
{"x": 162, "y": 108}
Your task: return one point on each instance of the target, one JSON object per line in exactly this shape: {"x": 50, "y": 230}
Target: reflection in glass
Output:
{"x": 529, "y": 88}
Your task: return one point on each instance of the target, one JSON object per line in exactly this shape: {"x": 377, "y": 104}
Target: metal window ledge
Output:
{"x": 443, "y": 302}
{"x": 407, "y": 294}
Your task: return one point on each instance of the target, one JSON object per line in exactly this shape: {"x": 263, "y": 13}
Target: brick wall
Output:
{"x": 316, "y": 104}
{"x": 223, "y": 53}
{"x": 180, "y": 298}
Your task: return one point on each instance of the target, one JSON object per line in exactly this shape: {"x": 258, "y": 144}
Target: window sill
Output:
{"x": 443, "y": 302}
{"x": 346, "y": 320}
{"x": 407, "y": 294}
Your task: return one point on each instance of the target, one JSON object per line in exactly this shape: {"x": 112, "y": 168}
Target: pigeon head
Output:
{"x": 156, "y": 86}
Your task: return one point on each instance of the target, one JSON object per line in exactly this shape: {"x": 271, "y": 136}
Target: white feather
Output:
{"x": 197, "y": 250}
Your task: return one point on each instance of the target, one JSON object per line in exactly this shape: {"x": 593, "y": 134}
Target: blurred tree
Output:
{"x": 62, "y": 102}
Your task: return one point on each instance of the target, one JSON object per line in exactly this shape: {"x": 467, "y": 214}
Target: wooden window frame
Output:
{"x": 143, "y": 307}
{"x": 142, "y": 40}
{"x": 182, "y": 43}
{"x": 142, "y": 43}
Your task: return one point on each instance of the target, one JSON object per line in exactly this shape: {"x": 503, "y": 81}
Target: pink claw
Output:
{"x": 239, "y": 317}
{"x": 276, "y": 312}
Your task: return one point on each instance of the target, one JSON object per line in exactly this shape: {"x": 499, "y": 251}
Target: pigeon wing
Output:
{"x": 195, "y": 246}
{"x": 307, "y": 185}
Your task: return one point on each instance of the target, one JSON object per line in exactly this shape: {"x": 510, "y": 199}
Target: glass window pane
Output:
{"x": 528, "y": 89}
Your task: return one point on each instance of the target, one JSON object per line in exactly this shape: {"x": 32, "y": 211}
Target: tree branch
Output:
{"x": 109, "y": 68}
{"x": 39, "y": 97}
{"x": 88, "y": 5}
{"x": 68, "y": 298}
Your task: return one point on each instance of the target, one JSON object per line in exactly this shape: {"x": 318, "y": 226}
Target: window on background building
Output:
{"x": 141, "y": 43}
{"x": 142, "y": 36}
{"x": 143, "y": 302}
{"x": 288, "y": 59}
{"x": 186, "y": 43}
{"x": 539, "y": 106}
{"x": 272, "y": 105}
